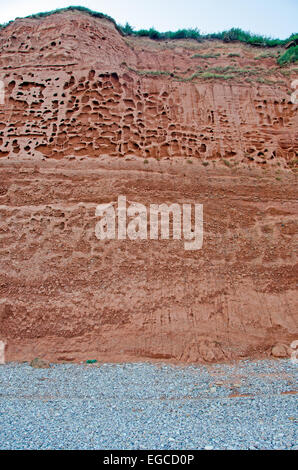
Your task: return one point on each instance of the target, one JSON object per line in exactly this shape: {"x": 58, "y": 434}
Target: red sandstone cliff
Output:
{"x": 89, "y": 115}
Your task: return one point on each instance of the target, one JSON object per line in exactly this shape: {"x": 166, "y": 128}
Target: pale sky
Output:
{"x": 275, "y": 18}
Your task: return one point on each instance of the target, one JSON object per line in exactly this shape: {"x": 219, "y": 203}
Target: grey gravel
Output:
{"x": 146, "y": 406}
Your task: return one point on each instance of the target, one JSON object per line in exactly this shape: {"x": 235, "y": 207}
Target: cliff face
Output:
{"x": 75, "y": 86}
{"x": 90, "y": 115}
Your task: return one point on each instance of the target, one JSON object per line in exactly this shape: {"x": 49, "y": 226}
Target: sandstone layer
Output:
{"x": 90, "y": 115}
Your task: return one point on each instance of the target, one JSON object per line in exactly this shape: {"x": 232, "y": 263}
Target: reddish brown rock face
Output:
{"x": 90, "y": 115}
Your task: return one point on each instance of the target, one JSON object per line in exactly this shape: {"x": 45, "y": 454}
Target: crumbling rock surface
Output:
{"x": 90, "y": 115}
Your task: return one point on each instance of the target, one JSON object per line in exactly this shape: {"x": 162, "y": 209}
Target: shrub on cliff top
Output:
{"x": 184, "y": 34}
{"x": 290, "y": 56}
{"x": 127, "y": 29}
{"x": 237, "y": 34}
{"x": 152, "y": 33}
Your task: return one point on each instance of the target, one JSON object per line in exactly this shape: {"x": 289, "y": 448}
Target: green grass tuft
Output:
{"x": 266, "y": 55}
{"x": 205, "y": 56}
{"x": 208, "y": 75}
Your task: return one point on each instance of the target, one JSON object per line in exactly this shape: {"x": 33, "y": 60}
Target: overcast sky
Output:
{"x": 275, "y": 18}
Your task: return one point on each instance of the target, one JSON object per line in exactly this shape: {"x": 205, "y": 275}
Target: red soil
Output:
{"x": 80, "y": 127}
